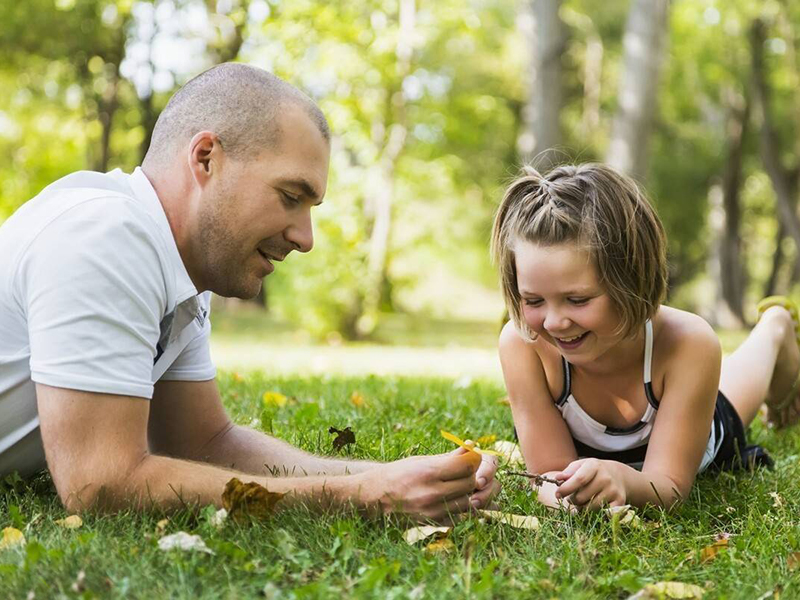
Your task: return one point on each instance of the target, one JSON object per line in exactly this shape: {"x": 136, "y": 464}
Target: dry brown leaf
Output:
{"x": 793, "y": 561}
{"x": 443, "y": 545}
{"x": 241, "y": 499}
{"x": 344, "y": 437}
{"x": 70, "y": 522}
{"x": 669, "y": 590}
{"x": 518, "y": 521}
{"x": 415, "y": 534}
{"x": 11, "y": 537}
{"x": 710, "y": 552}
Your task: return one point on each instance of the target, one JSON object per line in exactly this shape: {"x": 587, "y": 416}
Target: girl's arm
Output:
{"x": 682, "y": 427}
{"x": 543, "y": 435}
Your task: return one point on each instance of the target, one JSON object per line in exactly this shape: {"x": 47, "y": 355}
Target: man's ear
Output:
{"x": 205, "y": 154}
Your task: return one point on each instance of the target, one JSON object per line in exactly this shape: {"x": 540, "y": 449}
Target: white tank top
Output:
{"x": 629, "y": 442}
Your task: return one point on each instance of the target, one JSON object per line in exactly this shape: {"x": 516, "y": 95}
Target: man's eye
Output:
{"x": 289, "y": 199}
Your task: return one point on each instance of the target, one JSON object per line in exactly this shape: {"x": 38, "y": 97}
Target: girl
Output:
{"x": 618, "y": 398}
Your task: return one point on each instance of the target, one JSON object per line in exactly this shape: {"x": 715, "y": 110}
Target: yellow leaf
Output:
{"x": 11, "y": 537}
{"x": 486, "y": 440}
{"x": 710, "y": 552}
{"x": 161, "y": 526}
{"x": 793, "y": 561}
{"x": 71, "y": 522}
{"x": 624, "y": 515}
{"x": 518, "y": 521}
{"x": 357, "y": 399}
{"x": 249, "y": 499}
{"x": 504, "y": 400}
{"x": 415, "y": 534}
{"x": 467, "y": 445}
{"x": 274, "y": 399}
{"x": 669, "y": 590}
{"x": 443, "y": 545}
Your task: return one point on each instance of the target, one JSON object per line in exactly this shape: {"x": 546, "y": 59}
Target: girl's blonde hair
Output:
{"x": 602, "y": 211}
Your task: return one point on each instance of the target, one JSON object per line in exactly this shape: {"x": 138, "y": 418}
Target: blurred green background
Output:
{"x": 434, "y": 105}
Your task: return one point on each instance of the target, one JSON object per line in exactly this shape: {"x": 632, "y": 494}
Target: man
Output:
{"x": 105, "y": 285}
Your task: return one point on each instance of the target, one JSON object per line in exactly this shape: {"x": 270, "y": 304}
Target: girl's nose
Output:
{"x": 555, "y": 321}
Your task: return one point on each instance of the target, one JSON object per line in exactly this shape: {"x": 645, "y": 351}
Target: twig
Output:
{"x": 537, "y": 478}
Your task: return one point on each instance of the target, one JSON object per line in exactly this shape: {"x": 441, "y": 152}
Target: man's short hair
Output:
{"x": 237, "y": 102}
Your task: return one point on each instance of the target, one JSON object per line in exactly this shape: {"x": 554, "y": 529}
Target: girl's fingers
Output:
{"x": 582, "y": 478}
{"x": 570, "y": 470}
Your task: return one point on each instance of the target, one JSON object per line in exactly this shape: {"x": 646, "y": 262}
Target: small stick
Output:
{"x": 537, "y": 479}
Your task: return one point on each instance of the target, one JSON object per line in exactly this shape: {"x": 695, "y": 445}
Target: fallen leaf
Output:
{"x": 467, "y": 445}
{"x": 625, "y": 514}
{"x": 415, "y": 534}
{"x": 509, "y": 451}
{"x": 79, "y": 585}
{"x": 218, "y": 518}
{"x": 70, "y": 522}
{"x": 669, "y": 590}
{"x": 161, "y": 526}
{"x": 11, "y": 537}
{"x": 274, "y": 399}
{"x": 249, "y": 499}
{"x": 357, "y": 399}
{"x": 793, "y": 561}
{"x": 344, "y": 437}
{"x": 238, "y": 378}
{"x": 441, "y": 546}
{"x": 777, "y": 501}
{"x": 710, "y": 552}
{"x": 518, "y": 521}
{"x": 504, "y": 400}
{"x": 183, "y": 541}
{"x": 486, "y": 440}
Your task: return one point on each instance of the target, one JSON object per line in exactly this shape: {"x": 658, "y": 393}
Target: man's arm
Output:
{"x": 97, "y": 452}
{"x": 187, "y": 420}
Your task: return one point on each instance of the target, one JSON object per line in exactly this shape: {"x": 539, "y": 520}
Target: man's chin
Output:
{"x": 241, "y": 290}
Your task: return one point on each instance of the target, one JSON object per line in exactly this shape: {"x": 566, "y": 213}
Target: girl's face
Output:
{"x": 564, "y": 302}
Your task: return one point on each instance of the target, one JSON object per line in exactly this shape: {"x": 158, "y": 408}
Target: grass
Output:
{"x": 300, "y": 555}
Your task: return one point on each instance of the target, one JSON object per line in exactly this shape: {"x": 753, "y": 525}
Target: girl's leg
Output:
{"x": 764, "y": 369}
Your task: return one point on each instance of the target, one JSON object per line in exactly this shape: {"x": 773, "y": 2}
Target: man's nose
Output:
{"x": 301, "y": 233}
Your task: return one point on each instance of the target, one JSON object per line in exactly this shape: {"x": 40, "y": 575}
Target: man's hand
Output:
{"x": 590, "y": 483}
{"x": 427, "y": 488}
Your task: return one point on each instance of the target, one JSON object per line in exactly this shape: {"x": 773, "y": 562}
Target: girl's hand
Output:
{"x": 591, "y": 483}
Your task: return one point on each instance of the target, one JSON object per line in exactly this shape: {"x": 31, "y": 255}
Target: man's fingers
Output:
{"x": 458, "y": 466}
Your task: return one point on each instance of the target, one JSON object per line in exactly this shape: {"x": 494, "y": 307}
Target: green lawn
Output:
{"x": 299, "y": 555}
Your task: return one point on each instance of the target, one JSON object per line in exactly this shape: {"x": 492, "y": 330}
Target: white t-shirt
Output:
{"x": 94, "y": 297}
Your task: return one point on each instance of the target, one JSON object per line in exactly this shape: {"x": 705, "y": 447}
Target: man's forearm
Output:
{"x": 250, "y": 451}
{"x": 169, "y": 483}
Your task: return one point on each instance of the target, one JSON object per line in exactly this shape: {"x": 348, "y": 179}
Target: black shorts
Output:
{"x": 734, "y": 453}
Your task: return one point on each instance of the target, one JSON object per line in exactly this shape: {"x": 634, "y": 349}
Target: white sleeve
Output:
{"x": 94, "y": 289}
{"x": 194, "y": 362}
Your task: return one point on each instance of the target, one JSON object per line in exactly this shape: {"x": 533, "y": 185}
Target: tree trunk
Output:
{"x": 541, "y": 132}
{"x": 782, "y": 181}
{"x": 771, "y": 286}
{"x": 644, "y": 42}
{"x": 382, "y": 193}
{"x": 732, "y": 274}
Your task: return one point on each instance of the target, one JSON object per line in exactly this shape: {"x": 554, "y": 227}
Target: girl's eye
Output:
{"x": 578, "y": 301}
{"x": 532, "y": 302}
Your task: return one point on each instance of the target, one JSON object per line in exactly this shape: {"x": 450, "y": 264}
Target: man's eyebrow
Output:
{"x": 305, "y": 186}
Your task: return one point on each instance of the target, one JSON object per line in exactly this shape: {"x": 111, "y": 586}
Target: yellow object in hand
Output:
{"x": 467, "y": 445}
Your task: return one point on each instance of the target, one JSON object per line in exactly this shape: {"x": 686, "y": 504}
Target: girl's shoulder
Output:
{"x": 678, "y": 332}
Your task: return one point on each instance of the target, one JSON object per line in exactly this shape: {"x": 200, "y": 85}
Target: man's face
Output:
{"x": 256, "y": 211}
